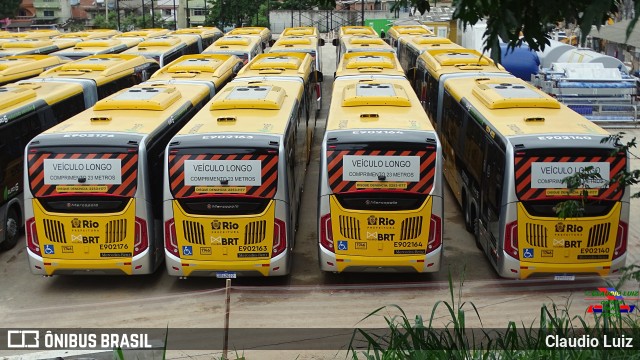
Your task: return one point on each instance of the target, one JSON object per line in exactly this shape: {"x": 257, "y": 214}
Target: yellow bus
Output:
{"x": 165, "y": 49}
{"x": 207, "y": 35}
{"x": 395, "y": 33}
{"x": 370, "y": 63}
{"x": 304, "y": 44}
{"x": 133, "y": 38}
{"x": 435, "y": 66}
{"x": 31, "y": 106}
{"x": 89, "y": 34}
{"x": 360, "y": 43}
{"x": 302, "y": 31}
{"x": 92, "y": 47}
{"x": 212, "y": 70}
{"x": 244, "y": 47}
{"x": 308, "y": 45}
{"x": 355, "y": 30}
{"x": 234, "y": 174}
{"x": 33, "y": 47}
{"x": 13, "y": 68}
{"x": 263, "y": 33}
{"x": 509, "y": 148}
{"x": 380, "y": 204}
{"x": 94, "y": 200}
{"x": 410, "y": 48}
{"x": 28, "y": 35}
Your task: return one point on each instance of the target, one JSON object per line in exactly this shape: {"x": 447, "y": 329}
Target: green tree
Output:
{"x": 101, "y": 22}
{"x": 9, "y": 8}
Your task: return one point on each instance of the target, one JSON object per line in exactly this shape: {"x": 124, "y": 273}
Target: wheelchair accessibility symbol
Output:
{"x": 48, "y": 249}
{"x": 343, "y": 245}
{"x": 528, "y": 253}
{"x": 187, "y": 250}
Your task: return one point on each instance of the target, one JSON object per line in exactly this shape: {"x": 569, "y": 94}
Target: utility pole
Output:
{"x": 362, "y": 11}
{"x": 175, "y": 16}
{"x": 153, "y": 17}
{"x": 144, "y": 22}
{"x": 188, "y": 15}
{"x": 118, "y": 13}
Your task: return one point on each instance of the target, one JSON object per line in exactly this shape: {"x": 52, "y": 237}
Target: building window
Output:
{"x": 50, "y": 13}
{"x": 167, "y": 12}
{"x": 199, "y": 12}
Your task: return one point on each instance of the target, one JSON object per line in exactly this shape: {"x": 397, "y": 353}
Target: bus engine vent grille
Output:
{"x": 536, "y": 235}
{"x": 193, "y": 232}
{"x": 116, "y": 231}
{"x": 411, "y": 228}
{"x": 349, "y": 227}
{"x": 599, "y": 234}
{"x": 255, "y": 232}
{"x": 54, "y": 231}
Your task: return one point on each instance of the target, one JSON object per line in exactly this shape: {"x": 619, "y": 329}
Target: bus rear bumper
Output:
{"x": 278, "y": 266}
{"x": 530, "y": 269}
{"x": 52, "y": 266}
{"x": 420, "y": 264}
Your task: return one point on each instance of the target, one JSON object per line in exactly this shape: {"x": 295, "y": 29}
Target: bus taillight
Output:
{"x": 279, "y": 237}
{"x": 435, "y": 233}
{"x": 326, "y": 234}
{"x": 141, "y": 241}
{"x": 621, "y": 240}
{"x": 32, "y": 236}
{"x": 511, "y": 239}
{"x": 170, "y": 238}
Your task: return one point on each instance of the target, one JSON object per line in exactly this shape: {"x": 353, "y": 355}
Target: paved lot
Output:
{"x": 306, "y": 299}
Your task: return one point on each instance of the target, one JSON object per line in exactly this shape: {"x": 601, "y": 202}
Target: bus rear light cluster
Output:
{"x": 279, "y": 237}
{"x": 621, "y": 240}
{"x": 32, "y": 236}
{"x": 326, "y": 234}
{"x": 170, "y": 237}
{"x": 511, "y": 240}
{"x": 141, "y": 239}
{"x": 435, "y": 234}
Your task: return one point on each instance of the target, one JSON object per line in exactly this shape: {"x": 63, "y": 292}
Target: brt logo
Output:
{"x": 84, "y": 224}
{"x": 560, "y": 228}
{"x": 223, "y": 225}
{"x": 372, "y": 220}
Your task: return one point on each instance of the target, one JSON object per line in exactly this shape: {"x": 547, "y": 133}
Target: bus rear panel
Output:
{"x": 84, "y": 196}
{"x": 226, "y": 215}
{"x": 596, "y": 241}
{"x": 379, "y": 212}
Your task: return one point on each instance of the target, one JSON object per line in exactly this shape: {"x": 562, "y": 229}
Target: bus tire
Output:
{"x": 467, "y": 216}
{"x": 12, "y": 230}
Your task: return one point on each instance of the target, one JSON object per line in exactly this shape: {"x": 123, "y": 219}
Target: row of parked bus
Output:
{"x": 27, "y": 54}
{"x": 161, "y": 158}
{"x": 221, "y": 178}
{"x": 503, "y": 146}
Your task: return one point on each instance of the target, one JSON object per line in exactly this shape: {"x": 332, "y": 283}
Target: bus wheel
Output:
{"x": 12, "y": 230}
{"x": 467, "y": 217}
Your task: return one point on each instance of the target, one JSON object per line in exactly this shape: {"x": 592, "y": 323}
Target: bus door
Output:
{"x": 381, "y": 203}
{"x": 224, "y": 206}
{"x": 83, "y": 202}
{"x": 487, "y": 232}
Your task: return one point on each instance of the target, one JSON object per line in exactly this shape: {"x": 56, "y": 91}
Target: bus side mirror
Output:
{"x": 318, "y": 76}
{"x": 321, "y": 42}
{"x": 334, "y": 42}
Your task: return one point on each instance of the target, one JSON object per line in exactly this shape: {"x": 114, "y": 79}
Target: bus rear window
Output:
{"x": 247, "y": 172}
{"x": 399, "y": 167}
{"x": 540, "y": 178}
{"x": 67, "y": 171}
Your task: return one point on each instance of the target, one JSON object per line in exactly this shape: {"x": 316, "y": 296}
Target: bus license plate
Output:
{"x": 226, "y": 275}
{"x": 565, "y": 277}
